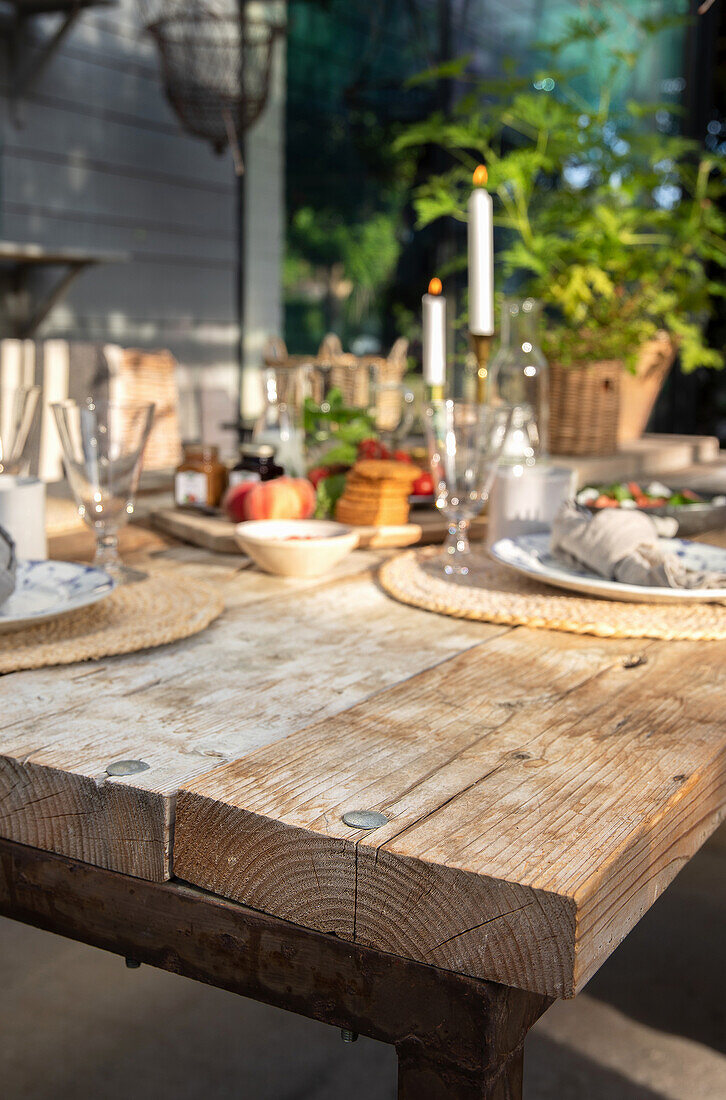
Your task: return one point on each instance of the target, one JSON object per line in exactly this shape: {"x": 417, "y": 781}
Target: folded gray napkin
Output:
{"x": 622, "y": 545}
{"x": 7, "y": 566}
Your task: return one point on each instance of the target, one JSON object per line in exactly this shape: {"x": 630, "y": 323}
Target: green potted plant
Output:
{"x": 604, "y": 213}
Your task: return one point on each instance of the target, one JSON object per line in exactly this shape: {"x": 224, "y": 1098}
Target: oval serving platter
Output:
{"x": 530, "y": 555}
{"x": 46, "y": 589}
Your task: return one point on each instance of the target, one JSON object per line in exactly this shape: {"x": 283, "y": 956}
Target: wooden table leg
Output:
{"x": 457, "y": 1038}
{"x": 421, "y": 1078}
{"x": 449, "y": 1072}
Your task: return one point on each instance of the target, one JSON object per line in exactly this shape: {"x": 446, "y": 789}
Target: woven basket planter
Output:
{"x": 639, "y": 391}
{"x": 585, "y": 408}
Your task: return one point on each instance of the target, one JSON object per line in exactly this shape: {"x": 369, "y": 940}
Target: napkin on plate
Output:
{"x": 622, "y": 545}
{"x": 7, "y": 566}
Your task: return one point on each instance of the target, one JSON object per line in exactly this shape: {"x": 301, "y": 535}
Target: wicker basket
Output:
{"x": 585, "y": 408}
{"x": 352, "y": 374}
{"x": 141, "y": 376}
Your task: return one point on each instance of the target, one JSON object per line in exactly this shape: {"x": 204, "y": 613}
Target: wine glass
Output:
{"x": 465, "y": 443}
{"x": 392, "y": 411}
{"x": 103, "y": 445}
{"x": 17, "y": 409}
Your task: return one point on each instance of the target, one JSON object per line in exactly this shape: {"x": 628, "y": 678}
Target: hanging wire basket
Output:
{"x": 215, "y": 64}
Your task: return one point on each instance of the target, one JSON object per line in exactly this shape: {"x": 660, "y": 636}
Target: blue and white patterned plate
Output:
{"x": 530, "y": 554}
{"x": 45, "y": 589}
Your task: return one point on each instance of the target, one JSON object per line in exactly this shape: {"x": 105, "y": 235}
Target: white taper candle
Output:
{"x": 481, "y": 257}
{"x": 434, "y": 335}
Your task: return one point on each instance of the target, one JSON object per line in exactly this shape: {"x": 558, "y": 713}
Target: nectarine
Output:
{"x": 280, "y": 498}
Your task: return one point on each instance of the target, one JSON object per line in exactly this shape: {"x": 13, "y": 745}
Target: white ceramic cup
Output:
{"x": 525, "y": 500}
{"x": 22, "y": 514}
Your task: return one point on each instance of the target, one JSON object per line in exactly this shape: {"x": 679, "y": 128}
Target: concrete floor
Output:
{"x": 76, "y": 1025}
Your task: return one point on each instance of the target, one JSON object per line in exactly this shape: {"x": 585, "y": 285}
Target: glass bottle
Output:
{"x": 256, "y": 463}
{"x": 519, "y": 378}
{"x": 280, "y": 423}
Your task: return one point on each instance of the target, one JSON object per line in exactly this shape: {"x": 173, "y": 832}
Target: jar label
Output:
{"x": 236, "y": 477}
{"x": 190, "y": 487}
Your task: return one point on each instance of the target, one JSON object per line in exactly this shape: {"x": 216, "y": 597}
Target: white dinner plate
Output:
{"x": 530, "y": 554}
{"x": 45, "y": 589}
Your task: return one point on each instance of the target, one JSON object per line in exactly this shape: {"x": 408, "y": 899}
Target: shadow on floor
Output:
{"x": 670, "y": 972}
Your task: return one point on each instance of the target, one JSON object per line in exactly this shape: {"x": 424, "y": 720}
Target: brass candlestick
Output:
{"x": 481, "y": 346}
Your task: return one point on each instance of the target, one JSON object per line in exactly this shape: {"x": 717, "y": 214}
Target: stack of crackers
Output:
{"x": 376, "y": 493}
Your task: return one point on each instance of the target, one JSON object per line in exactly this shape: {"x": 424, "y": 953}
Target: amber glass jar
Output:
{"x": 200, "y": 477}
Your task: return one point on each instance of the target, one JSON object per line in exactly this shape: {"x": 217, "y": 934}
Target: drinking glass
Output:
{"x": 465, "y": 443}
{"x": 103, "y": 445}
{"x": 17, "y": 409}
{"x": 392, "y": 411}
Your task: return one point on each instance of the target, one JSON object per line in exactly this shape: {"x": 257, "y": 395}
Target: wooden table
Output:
{"x": 539, "y": 791}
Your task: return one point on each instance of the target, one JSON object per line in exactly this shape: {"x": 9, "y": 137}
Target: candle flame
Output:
{"x": 480, "y": 176}
{"x": 435, "y": 286}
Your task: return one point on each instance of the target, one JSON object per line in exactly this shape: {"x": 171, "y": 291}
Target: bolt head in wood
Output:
{"x": 127, "y": 767}
{"x": 364, "y": 819}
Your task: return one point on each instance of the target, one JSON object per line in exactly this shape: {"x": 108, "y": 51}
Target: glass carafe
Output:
{"x": 519, "y": 378}
{"x": 281, "y": 423}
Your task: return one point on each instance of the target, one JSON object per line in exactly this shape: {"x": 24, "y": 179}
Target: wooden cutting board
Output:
{"x": 217, "y": 533}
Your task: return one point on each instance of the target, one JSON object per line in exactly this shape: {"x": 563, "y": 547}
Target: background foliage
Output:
{"x": 604, "y": 213}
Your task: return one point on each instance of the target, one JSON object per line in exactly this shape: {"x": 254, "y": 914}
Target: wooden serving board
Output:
{"x": 217, "y": 533}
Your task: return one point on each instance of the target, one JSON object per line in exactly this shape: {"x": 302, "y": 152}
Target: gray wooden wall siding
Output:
{"x": 98, "y": 161}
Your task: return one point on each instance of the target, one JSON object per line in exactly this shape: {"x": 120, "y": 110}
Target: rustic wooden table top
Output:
{"x": 541, "y": 789}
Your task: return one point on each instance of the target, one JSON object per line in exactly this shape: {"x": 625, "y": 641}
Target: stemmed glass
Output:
{"x": 103, "y": 445}
{"x": 392, "y": 411}
{"x": 465, "y": 443}
{"x": 17, "y": 409}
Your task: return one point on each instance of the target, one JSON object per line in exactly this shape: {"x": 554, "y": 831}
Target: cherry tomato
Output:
{"x": 423, "y": 486}
{"x": 317, "y": 474}
{"x": 372, "y": 448}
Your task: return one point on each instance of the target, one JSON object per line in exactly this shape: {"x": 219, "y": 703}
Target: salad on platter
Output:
{"x": 629, "y": 494}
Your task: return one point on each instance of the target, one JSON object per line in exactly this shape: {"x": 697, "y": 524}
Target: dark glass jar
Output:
{"x": 256, "y": 463}
{"x": 200, "y": 478}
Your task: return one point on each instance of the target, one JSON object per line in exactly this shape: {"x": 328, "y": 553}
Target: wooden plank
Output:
{"x": 461, "y": 1035}
{"x": 115, "y": 231}
{"x": 216, "y": 533}
{"x": 653, "y": 456}
{"x": 119, "y": 144}
{"x": 284, "y": 653}
{"x": 540, "y": 795}
{"x": 67, "y": 183}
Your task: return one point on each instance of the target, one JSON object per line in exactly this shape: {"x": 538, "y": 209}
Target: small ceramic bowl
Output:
{"x": 295, "y": 547}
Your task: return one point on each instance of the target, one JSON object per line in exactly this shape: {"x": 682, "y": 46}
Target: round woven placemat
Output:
{"x": 152, "y": 612}
{"x": 494, "y": 594}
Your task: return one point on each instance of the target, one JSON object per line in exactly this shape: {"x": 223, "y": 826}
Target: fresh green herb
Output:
{"x": 335, "y": 423}
{"x": 619, "y": 492}
{"x": 329, "y": 490}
